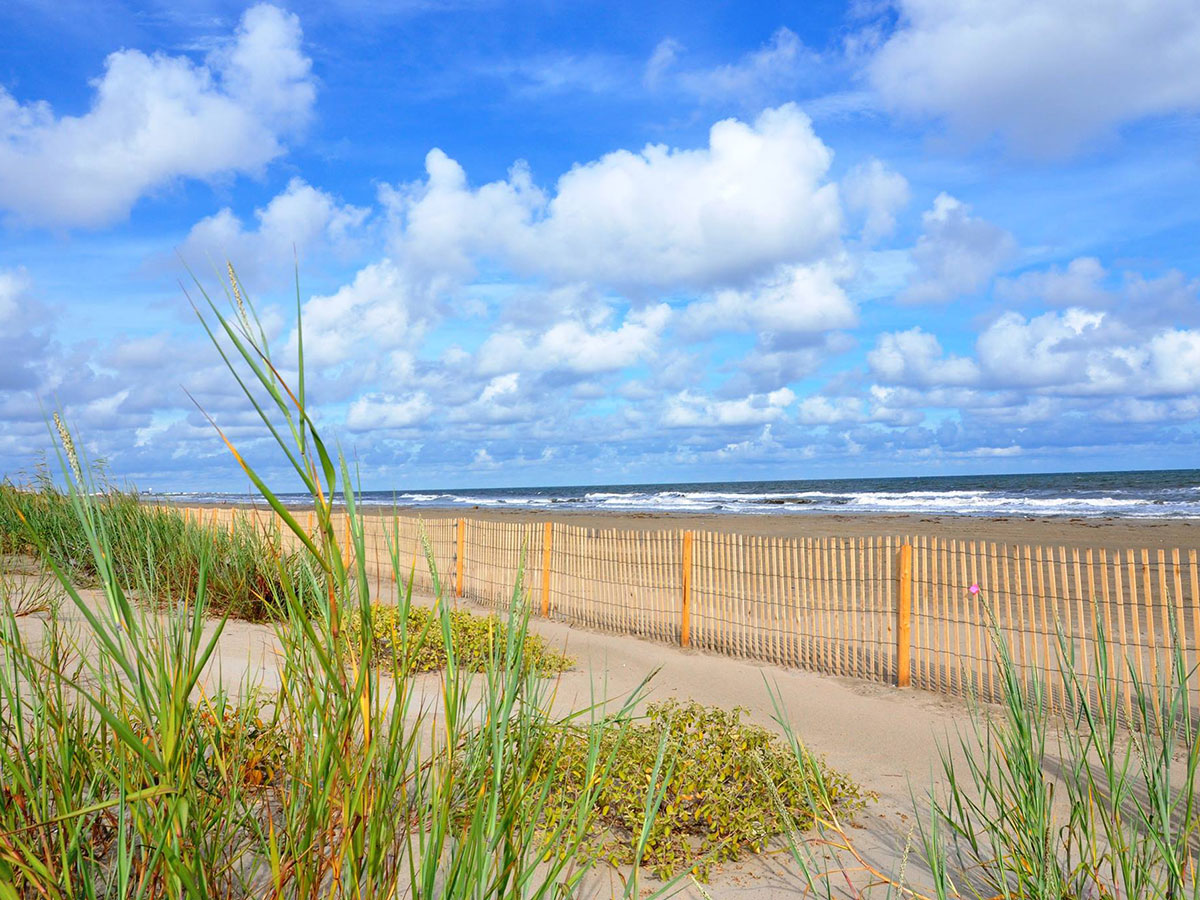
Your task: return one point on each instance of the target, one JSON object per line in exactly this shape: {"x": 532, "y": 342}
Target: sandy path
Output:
{"x": 885, "y": 739}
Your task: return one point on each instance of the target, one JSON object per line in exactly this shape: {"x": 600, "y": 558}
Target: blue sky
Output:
{"x": 585, "y": 243}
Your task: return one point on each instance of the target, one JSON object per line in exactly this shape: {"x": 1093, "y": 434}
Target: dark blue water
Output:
{"x": 1161, "y": 494}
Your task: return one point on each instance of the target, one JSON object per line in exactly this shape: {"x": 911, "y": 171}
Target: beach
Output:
{"x": 1049, "y": 531}
{"x": 1078, "y": 532}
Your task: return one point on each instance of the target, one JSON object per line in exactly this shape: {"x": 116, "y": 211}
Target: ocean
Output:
{"x": 1156, "y": 494}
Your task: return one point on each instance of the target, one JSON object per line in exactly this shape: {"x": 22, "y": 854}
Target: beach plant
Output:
{"x": 1097, "y": 802}
{"x": 154, "y": 552}
{"x": 129, "y": 769}
{"x": 730, "y": 788}
{"x": 476, "y": 641}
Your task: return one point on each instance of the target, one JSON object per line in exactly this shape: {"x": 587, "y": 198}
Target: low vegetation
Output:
{"x": 728, "y": 788}
{"x": 476, "y": 642}
{"x": 128, "y": 770}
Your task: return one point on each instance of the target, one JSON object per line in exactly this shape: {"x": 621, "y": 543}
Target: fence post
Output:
{"x": 547, "y": 538}
{"x": 904, "y": 618}
{"x": 685, "y": 625}
{"x": 462, "y": 534}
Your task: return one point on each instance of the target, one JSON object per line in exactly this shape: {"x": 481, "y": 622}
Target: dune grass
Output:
{"x": 125, "y": 771}
{"x": 1031, "y": 806}
{"x": 153, "y": 551}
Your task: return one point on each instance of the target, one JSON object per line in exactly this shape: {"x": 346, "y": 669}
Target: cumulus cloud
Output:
{"x": 915, "y": 358}
{"x": 794, "y": 300}
{"x": 690, "y": 410}
{"x": 1045, "y": 76}
{"x": 877, "y": 192}
{"x": 956, "y": 254}
{"x": 1082, "y": 352}
{"x": 300, "y": 217}
{"x": 377, "y": 411}
{"x": 24, "y": 338}
{"x": 821, "y": 410}
{"x": 1027, "y": 362}
{"x": 1080, "y": 283}
{"x": 575, "y": 346}
{"x": 756, "y": 197}
{"x": 377, "y": 312}
{"x": 154, "y": 119}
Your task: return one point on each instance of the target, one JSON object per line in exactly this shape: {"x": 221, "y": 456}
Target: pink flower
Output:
{"x": 974, "y": 589}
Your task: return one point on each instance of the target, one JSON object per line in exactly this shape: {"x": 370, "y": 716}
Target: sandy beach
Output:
{"x": 1080, "y": 532}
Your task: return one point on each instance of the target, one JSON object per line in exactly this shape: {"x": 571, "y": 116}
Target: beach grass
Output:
{"x": 1030, "y": 805}
{"x": 409, "y": 751}
{"x": 153, "y": 552}
{"x": 126, "y": 770}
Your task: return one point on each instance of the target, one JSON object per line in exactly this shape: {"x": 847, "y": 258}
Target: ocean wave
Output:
{"x": 1133, "y": 495}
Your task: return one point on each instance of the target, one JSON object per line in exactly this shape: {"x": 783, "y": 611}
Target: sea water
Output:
{"x": 1156, "y": 494}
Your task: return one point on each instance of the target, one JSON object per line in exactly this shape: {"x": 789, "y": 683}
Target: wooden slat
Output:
{"x": 685, "y": 626}
{"x": 1194, "y": 580}
{"x": 904, "y": 618}
{"x": 1151, "y": 636}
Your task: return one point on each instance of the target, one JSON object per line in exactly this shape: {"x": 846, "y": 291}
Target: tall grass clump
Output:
{"x": 153, "y": 551}
{"x": 127, "y": 769}
{"x": 1099, "y": 802}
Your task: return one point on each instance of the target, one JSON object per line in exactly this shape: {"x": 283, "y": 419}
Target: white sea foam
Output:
{"x": 1028, "y": 498}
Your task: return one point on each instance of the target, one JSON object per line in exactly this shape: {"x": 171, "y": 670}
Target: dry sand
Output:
{"x": 1069, "y": 532}
{"x": 887, "y": 740}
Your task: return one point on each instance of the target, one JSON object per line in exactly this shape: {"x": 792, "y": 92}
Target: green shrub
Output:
{"x": 730, "y": 787}
{"x": 478, "y": 641}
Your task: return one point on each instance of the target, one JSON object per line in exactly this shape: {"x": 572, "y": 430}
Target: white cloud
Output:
{"x": 576, "y": 346}
{"x": 14, "y": 286}
{"x": 1174, "y": 362}
{"x": 1049, "y": 349}
{"x": 802, "y": 299}
{"x": 878, "y": 193}
{"x": 1046, "y": 76}
{"x": 777, "y": 65}
{"x": 378, "y": 311}
{"x": 1069, "y": 354}
{"x": 483, "y": 460}
{"x": 956, "y": 254}
{"x": 441, "y": 224}
{"x": 755, "y": 198}
{"x": 1081, "y": 283}
{"x": 301, "y": 216}
{"x": 761, "y": 447}
{"x": 661, "y": 60}
{"x": 372, "y": 412}
{"x": 155, "y": 119}
{"x": 501, "y": 387}
{"x": 820, "y": 410}
{"x": 557, "y": 73}
{"x": 689, "y": 410}
{"x": 915, "y": 358}
{"x": 24, "y": 341}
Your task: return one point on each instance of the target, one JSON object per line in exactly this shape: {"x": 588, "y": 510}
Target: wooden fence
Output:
{"x": 915, "y": 611}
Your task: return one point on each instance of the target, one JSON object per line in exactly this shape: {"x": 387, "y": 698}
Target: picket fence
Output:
{"x": 920, "y": 611}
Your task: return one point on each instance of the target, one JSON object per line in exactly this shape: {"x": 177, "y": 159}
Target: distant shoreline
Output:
{"x": 1111, "y": 531}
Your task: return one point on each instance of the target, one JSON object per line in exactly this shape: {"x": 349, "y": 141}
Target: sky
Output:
{"x": 587, "y": 243}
